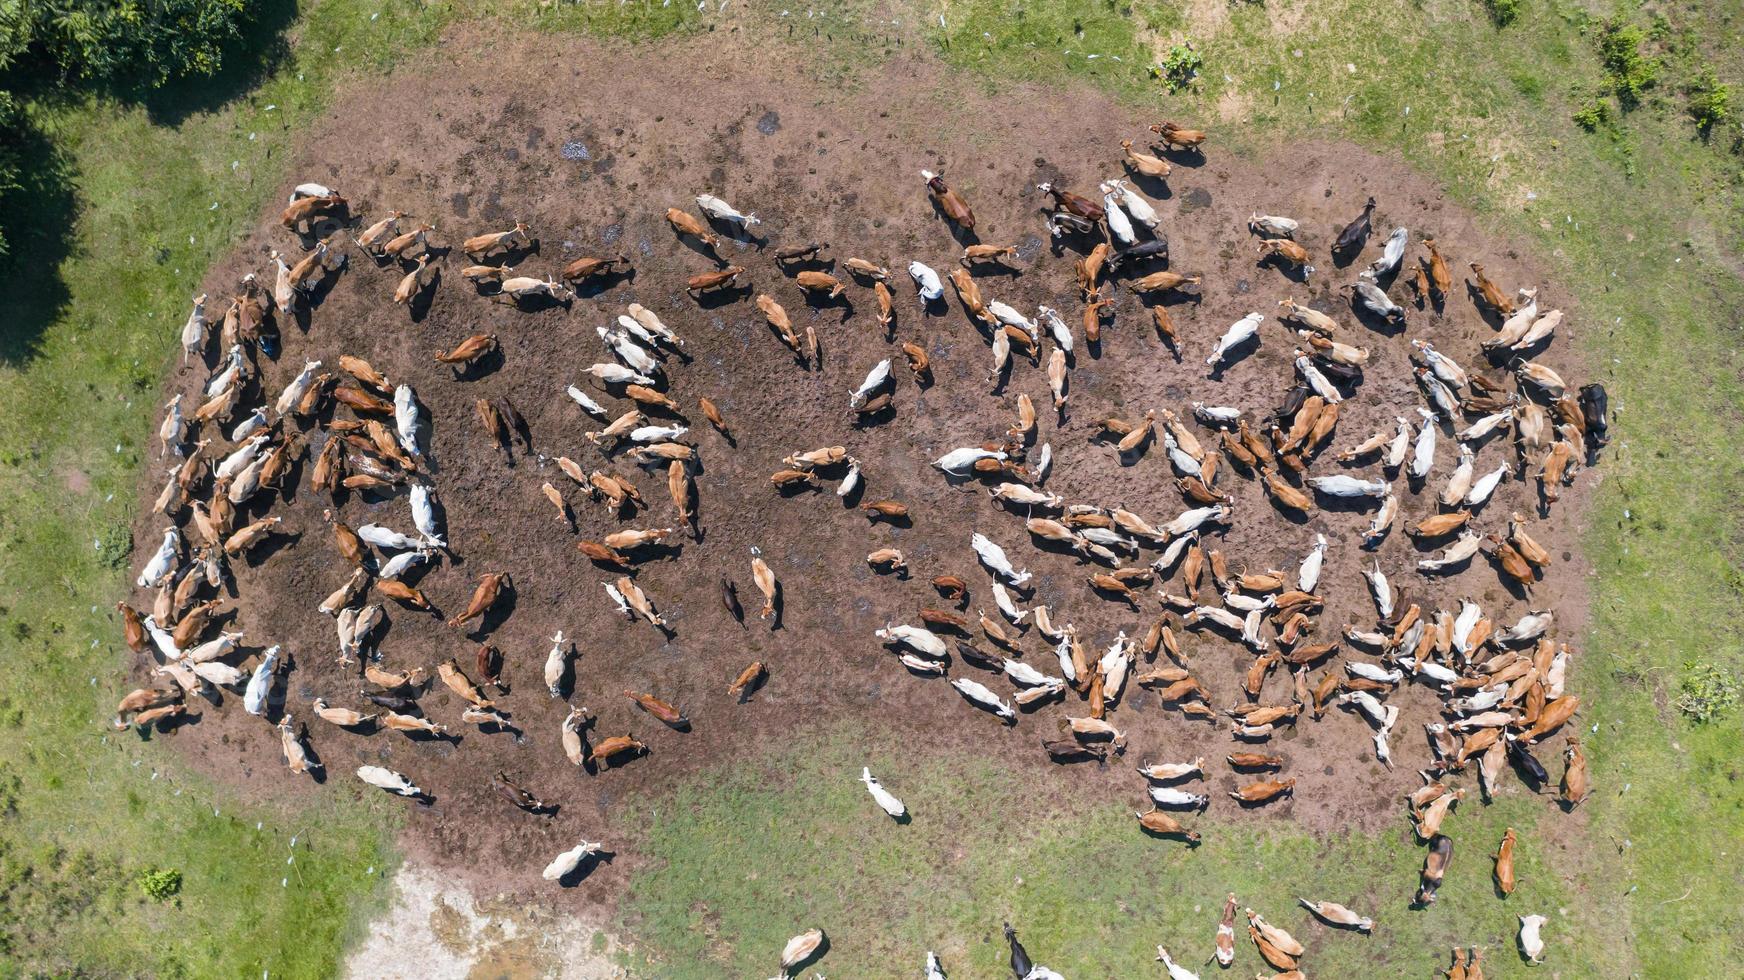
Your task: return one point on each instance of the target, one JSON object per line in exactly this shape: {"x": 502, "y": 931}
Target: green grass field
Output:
{"x": 1640, "y": 217}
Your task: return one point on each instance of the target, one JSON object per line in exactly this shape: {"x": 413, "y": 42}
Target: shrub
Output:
{"x": 1710, "y": 102}
{"x": 114, "y": 545}
{"x": 1708, "y": 691}
{"x": 1592, "y": 114}
{"x": 160, "y": 884}
{"x": 14, "y": 133}
{"x": 1629, "y": 72}
{"x": 1180, "y": 67}
{"x": 1503, "y": 12}
{"x": 142, "y": 42}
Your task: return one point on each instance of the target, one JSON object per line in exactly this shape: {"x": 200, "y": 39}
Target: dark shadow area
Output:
{"x": 37, "y": 220}
{"x": 261, "y": 50}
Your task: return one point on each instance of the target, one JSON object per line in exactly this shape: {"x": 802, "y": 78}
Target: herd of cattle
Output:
{"x": 1502, "y": 685}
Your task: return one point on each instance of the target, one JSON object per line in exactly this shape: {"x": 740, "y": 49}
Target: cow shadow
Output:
{"x": 585, "y": 869}
{"x": 714, "y": 299}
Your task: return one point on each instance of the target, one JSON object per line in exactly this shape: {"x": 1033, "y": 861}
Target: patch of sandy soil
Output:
{"x": 438, "y": 929}
{"x": 590, "y": 146}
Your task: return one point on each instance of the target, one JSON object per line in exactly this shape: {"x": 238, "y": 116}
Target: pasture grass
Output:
{"x": 754, "y": 854}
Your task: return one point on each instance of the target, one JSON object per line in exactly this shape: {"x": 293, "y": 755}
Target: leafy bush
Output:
{"x": 1629, "y": 72}
{"x": 1592, "y": 114}
{"x": 142, "y": 42}
{"x": 14, "y": 132}
{"x": 1709, "y": 691}
{"x": 1503, "y": 12}
{"x": 114, "y": 545}
{"x": 1710, "y": 102}
{"x": 160, "y": 884}
{"x": 1180, "y": 67}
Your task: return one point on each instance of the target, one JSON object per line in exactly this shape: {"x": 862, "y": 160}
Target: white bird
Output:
{"x": 993, "y": 556}
{"x": 933, "y": 970}
{"x": 260, "y": 684}
{"x": 1238, "y": 332}
{"x": 389, "y": 780}
{"x": 891, "y": 804}
{"x": 565, "y": 864}
{"x": 926, "y": 281}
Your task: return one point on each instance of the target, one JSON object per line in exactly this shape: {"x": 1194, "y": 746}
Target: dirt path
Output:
{"x": 590, "y": 147}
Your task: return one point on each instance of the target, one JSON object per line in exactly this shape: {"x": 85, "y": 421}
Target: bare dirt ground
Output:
{"x": 476, "y": 136}
{"x": 437, "y": 928}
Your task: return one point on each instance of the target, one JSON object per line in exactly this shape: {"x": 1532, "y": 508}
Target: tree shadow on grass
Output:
{"x": 39, "y": 213}
{"x": 37, "y": 216}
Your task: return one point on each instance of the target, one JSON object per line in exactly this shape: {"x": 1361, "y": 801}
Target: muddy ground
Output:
{"x": 590, "y": 148}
